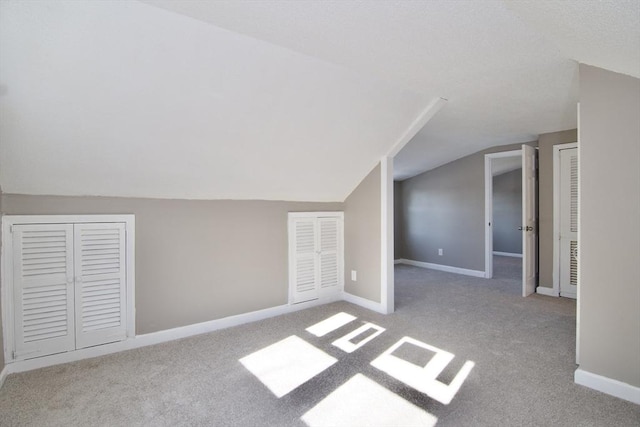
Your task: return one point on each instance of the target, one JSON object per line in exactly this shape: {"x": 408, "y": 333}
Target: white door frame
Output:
{"x": 556, "y": 213}
{"x": 488, "y": 207}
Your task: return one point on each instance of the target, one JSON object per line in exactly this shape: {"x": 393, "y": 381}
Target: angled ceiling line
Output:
{"x": 418, "y": 123}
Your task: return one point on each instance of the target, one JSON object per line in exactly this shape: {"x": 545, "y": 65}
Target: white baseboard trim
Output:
{"x": 363, "y": 302}
{"x": 608, "y": 386}
{"x": 447, "y": 268}
{"x": 507, "y": 254}
{"x": 397, "y": 261}
{"x": 3, "y": 375}
{"x": 550, "y": 292}
{"x": 160, "y": 337}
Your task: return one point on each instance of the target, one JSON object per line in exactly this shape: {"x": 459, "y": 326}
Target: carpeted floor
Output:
{"x": 523, "y": 350}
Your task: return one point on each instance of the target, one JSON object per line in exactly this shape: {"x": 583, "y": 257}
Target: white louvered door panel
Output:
{"x": 100, "y": 292}
{"x": 569, "y": 222}
{"x": 43, "y": 289}
{"x": 329, "y": 250}
{"x": 305, "y": 265}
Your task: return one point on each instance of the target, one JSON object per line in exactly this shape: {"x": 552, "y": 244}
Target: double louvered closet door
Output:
{"x": 69, "y": 287}
{"x": 315, "y": 255}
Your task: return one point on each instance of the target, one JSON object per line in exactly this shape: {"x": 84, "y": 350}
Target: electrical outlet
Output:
{"x": 354, "y": 276}
{"x": 440, "y": 251}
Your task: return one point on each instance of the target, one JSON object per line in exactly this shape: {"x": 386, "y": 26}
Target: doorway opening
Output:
{"x": 511, "y": 216}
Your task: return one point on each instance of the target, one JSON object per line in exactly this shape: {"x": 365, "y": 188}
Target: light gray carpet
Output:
{"x": 523, "y": 349}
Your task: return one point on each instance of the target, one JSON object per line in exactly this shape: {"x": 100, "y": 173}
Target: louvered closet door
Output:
{"x": 569, "y": 222}
{"x": 305, "y": 265}
{"x": 100, "y": 271}
{"x": 329, "y": 231}
{"x": 43, "y": 289}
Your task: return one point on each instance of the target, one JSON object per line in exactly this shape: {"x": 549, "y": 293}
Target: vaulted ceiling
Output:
{"x": 282, "y": 100}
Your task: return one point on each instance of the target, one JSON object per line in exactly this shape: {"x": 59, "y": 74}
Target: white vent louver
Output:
{"x": 44, "y": 256}
{"x": 573, "y": 263}
{"x": 329, "y": 252}
{"x": 101, "y": 255}
{"x": 305, "y": 254}
{"x": 43, "y": 275}
{"x": 100, "y": 290}
{"x": 573, "y": 214}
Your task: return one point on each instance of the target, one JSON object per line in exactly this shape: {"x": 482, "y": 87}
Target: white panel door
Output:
{"x": 304, "y": 259}
{"x": 529, "y": 238}
{"x": 569, "y": 222}
{"x": 43, "y": 289}
{"x": 329, "y": 252}
{"x": 100, "y": 291}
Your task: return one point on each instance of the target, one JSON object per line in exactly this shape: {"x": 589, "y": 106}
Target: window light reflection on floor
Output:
{"x": 291, "y": 362}
{"x": 334, "y": 322}
{"x": 363, "y": 402}
{"x": 287, "y": 364}
{"x": 347, "y": 346}
{"x": 424, "y": 379}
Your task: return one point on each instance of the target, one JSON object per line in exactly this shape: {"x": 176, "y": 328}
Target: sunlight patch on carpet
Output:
{"x": 420, "y": 378}
{"x": 346, "y": 342}
{"x": 334, "y": 322}
{"x": 287, "y": 364}
{"x": 363, "y": 402}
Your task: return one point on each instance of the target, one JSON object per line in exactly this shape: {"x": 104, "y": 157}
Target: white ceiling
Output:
{"x": 279, "y": 99}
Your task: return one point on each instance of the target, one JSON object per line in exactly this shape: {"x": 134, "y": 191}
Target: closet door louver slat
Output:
{"x": 305, "y": 269}
{"x": 43, "y": 289}
{"x": 329, "y": 274}
{"x": 100, "y": 283}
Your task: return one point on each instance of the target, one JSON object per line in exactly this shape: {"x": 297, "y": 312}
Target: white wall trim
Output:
{"x": 315, "y": 214}
{"x": 161, "y": 336}
{"x": 511, "y": 254}
{"x": 363, "y": 302}
{"x": 488, "y": 218}
{"x": 608, "y": 386}
{"x": 387, "y": 284}
{"x": 397, "y": 261}
{"x": 440, "y": 267}
{"x": 550, "y": 292}
{"x": 3, "y": 375}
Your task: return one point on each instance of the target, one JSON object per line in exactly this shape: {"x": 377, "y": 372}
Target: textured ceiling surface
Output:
{"x": 280, "y": 99}
{"x": 508, "y": 68}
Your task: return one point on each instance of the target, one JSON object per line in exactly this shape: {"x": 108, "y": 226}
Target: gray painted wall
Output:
{"x": 444, "y": 208}
{"x": 397, "y": 223}
{"x": 195, "y": 260}
{"x": 362, "y": 238}
{"x": 609, "y": 246}
{"x": 507, "y": 212}
{"x": 545, "y": 207}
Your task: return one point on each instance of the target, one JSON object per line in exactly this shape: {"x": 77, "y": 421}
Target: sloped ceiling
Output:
{"x": 125, "y": 99}
{"x": 278, "y": 99}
